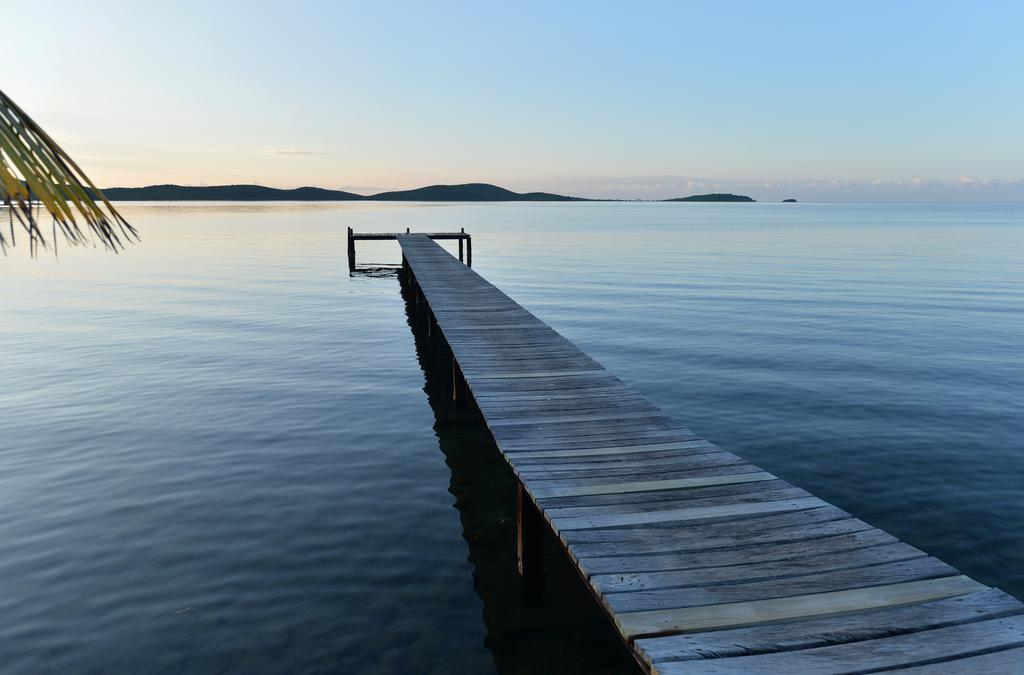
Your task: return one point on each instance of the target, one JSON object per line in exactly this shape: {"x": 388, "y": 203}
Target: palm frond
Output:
{"x": 33, "y": 168}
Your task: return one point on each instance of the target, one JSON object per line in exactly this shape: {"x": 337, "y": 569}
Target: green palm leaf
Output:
{"x": 34, "y": 167}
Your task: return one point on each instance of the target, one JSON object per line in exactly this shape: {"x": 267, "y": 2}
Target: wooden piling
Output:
{"x": 529, "y": 543}
{"x": 351, "y": 251}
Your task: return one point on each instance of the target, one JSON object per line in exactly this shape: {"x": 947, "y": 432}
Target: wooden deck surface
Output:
{"x": 704, "y": 562}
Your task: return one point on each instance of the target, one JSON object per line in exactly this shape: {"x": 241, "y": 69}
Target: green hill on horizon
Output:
{"x": 468, "y": 192}
{"x": 226, "y": 193}
{"x": 714, "y": 197}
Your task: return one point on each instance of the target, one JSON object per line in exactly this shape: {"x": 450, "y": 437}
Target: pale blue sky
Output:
{"x": 821, "y": 100}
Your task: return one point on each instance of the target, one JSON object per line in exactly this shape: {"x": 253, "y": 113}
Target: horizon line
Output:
{"x": 552, "y": 197}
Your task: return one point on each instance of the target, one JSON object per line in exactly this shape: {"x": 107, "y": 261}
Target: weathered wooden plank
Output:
{"x": 519, "y": 375}
{"x": 524, "y": 325}
{"x": 487, "y": 396}
{"x": 599, "y": 380}
{"x": 694, "y": 494}
{"x": 609, "y": 438}
{"x": 911, "y": 649}
{"x": 521, "y": 349}
{"x": 587, "y": 430}
{"x": 679, "y": 515}
{"x": 455, "y": 317}
{"x": 547, "y": 360}
{"x": 615, "y": 465}
{"x": 634, "y": 506}
{"x": 481, "y": 348}
{"x": 858, "y": 577}
{"x": 673, "y": 498}
{"x": 594, "y": 392}
{"x": 828, "y": 630}
{"x": 471, "y": 341}
{"x": 799, "y": 563}
{"x": 747, "y": 613}
{"x": 541, "y": 411}
{"x": 611, "y": 559}
{"x": 509, "y": 445}
{"x": 720, "y": 468}
{"x": 648, "y": 486}
{"x": 665, "y": 466}
{"x": 585, "y": 424}
{"x": 581, "y": 405}
{"x": 674, "y": 458}
{"x": 486, "y": 348}
{"x": 513, "y": 422}
{"x": 534, "y": 365}
{"x": 563, "y": 370}
{"x": 483, "y": 307}
{"x": 626, "y": 450}
{"x": 607, "y": 460}
{"x": 818, "y": 522}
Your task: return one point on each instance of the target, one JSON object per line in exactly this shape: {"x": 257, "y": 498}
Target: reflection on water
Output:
{"x": 376, "y": 271}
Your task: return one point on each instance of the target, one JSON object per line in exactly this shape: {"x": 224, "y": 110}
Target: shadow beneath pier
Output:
{"x": 562, "y": 632}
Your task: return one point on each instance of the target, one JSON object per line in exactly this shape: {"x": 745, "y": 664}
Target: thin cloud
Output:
{"x": 290, "y": 151}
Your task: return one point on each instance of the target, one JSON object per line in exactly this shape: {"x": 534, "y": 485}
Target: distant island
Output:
{"x": 233, "y": 193}
{"x": 789, "y": 201}
{"x": 467, "y": 192}
{"x": 470, "y": 192}
{"x": 714, "y": 197}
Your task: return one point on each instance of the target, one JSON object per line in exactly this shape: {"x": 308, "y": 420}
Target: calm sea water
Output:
{"x": 216, "y": 453}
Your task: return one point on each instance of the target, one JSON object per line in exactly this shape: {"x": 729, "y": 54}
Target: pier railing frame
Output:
{"x": 464, "y": 239}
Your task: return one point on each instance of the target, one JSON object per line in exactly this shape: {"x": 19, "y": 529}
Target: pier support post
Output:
{"x": 351, "y": 251}
{"x": 458, "y": 385}
{"x": 529, "y": 543}
{"x": 464, "y": 406}
{"x": 469, "y": 251}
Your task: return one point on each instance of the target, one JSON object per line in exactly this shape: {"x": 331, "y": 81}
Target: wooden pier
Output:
{"x": 704, "y": 562}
